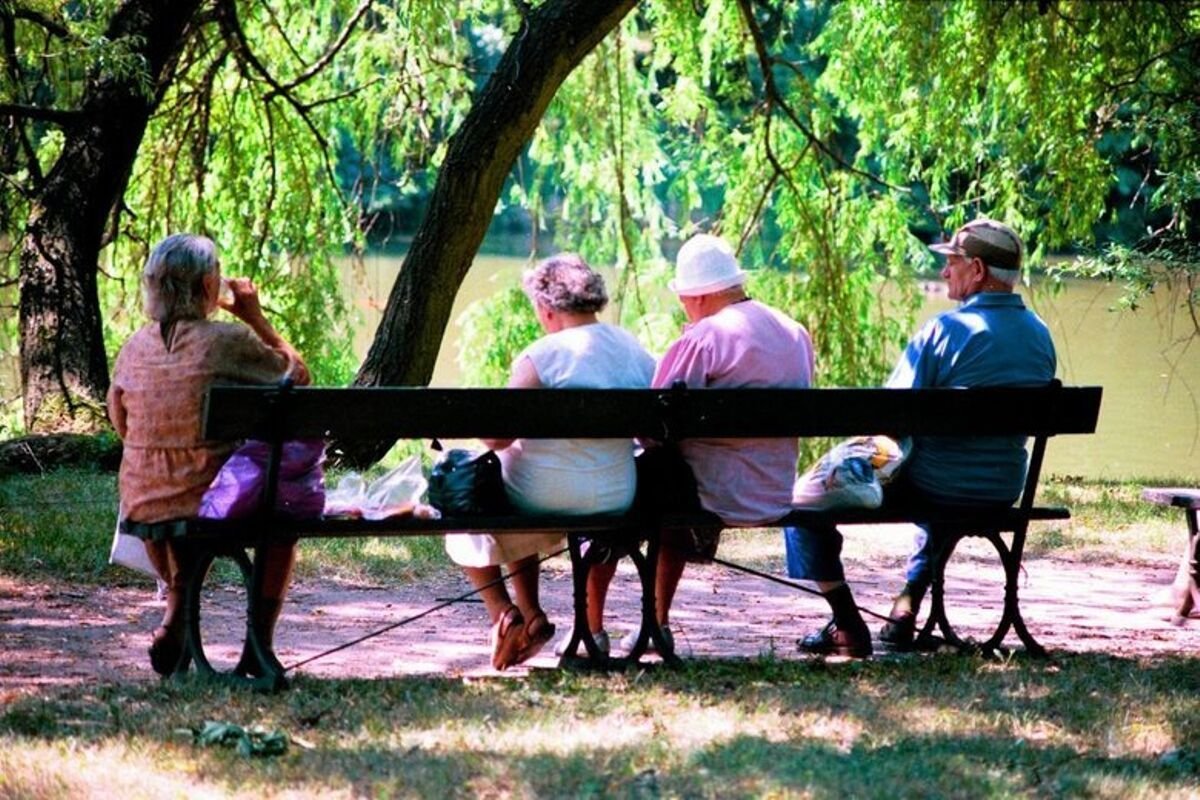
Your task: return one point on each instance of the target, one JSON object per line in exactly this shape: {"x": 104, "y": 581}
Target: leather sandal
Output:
{"x": 538, "y": 631}
{"x": 507, "y": 634}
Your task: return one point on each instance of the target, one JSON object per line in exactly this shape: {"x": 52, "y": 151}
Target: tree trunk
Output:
{"x": 64, "y": 370}
{"x": 551, "y": 42}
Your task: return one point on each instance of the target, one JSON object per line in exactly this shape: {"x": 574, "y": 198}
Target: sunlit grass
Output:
{"x": 60, "y": 524}
{"x": 921, "y": 726}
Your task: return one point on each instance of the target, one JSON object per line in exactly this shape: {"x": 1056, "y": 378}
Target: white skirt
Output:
{"x": 486, "y": 550}
{"x": 550, "y": 478}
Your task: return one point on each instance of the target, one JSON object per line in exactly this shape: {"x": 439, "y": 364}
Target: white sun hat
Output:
{"x": 705, "y": 264}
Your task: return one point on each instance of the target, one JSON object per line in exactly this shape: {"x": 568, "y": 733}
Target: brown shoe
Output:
{"x": 832, "y": 640}
{"x": 898, "y": 632}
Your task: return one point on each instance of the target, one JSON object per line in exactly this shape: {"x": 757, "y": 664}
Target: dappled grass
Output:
{"x": 1108, "y": 520}
{"x": 919, "y": 726}
{"x": 60, "y": 524}
{"x": 942, "y": 725}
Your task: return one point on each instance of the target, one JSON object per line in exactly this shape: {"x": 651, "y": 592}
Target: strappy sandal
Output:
{"x": 165, "y": 650}
{"x": 507, "y": 635}
{"x": 538, "y": 631}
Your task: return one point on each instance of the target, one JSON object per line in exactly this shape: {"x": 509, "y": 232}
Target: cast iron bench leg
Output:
{"x": 1189, "y": 595}
{"x": 1010, "y": 560}
{"x": 581, "y": 567}
{"x": 1012, "y": 606}
{"x": 272, "y": 678}
{"x": 938, "y": 622}
{"x": 649, "y": 630}
{"x": 647, "y": 566}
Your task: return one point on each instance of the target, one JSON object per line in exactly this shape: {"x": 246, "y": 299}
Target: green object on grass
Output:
{"x": 253, "y": 742}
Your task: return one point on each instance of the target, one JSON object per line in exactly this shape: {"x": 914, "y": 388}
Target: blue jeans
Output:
{"x": 815, "y": 554}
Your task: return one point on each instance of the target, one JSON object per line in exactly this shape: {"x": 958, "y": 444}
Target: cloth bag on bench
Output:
{"x": 237, "y": 489}
{"x": 851, "y": 475}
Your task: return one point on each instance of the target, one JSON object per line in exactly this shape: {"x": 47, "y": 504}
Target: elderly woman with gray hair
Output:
{"x": 559, "y": 476}
{"x": 155, "y": 402}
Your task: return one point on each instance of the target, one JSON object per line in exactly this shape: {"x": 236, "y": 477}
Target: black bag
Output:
{"x": 467, "y": 483}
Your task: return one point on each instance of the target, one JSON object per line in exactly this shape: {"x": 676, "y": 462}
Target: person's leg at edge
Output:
{"x": 599, "y": 579}
{"x": 898, "y": 633}
{"x": 167, "y": 644}
{"x": 508, "y": 624}
{"x": 671, "y": 563}
{"x": 278, "y": 561}
{"x": 815, "y": 555}
{"x": 524, "y": 575}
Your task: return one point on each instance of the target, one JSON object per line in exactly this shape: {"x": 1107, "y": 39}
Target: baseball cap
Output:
{"x": 994, "y": 242}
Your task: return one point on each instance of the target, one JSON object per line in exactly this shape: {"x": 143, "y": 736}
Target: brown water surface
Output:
{"x": 1150, "y": 417}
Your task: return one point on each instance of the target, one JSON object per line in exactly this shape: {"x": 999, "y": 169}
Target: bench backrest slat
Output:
{"x": 234, "y": 412}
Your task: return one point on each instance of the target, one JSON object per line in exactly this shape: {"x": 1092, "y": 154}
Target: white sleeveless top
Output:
{"x": 566, "y": 476}
{"x": 578, "y": 475}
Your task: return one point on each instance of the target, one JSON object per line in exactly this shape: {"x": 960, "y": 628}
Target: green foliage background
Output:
{"x": 828, "y": 141}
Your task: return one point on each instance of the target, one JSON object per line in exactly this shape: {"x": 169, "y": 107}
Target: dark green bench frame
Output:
{"x": 276, "y": 414}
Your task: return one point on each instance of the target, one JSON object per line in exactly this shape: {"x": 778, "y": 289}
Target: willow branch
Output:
{"x": 776, "y": 97}
{"x": 18, "y": 80}
{"x": 342, "y": 95}
{"x": 1140, "y": 70}
{"x": 281, "y": 30}
{"x": 326, "y": 59}
{"x": 233, "y": 28}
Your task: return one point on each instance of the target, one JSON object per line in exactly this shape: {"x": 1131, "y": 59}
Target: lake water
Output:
{"x": 1149, "y": 418}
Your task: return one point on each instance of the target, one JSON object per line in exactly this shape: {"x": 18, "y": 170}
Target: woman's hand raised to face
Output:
{"x": 241, "y": 299}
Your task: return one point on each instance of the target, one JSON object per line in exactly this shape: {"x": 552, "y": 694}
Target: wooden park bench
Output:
{"x": 276, "y": 414}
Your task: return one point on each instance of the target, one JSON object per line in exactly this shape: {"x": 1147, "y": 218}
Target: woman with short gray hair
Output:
{"x": 554, "y": 476}
{"x": 155, "y": 402}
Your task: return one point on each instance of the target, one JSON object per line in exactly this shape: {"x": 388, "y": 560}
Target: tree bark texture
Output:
{"x": 64, "y": 370}
{"x": 553, "y": 39}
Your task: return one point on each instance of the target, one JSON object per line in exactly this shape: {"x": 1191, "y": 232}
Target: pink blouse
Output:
{"x": 745, "y": 482}
{"x": 167, "y": 465}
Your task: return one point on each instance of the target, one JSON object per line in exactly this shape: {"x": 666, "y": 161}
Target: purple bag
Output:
{"x": 237, "y": 489}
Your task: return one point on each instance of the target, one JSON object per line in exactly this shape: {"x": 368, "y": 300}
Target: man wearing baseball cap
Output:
{"x": 731, "y": 341}
{"x": 991, "y": 339}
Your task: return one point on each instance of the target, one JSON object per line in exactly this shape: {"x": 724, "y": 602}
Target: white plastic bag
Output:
{"x": 130, "y": 551}
{"x": 851, "y": 475}
{"x": 395, "y": 494}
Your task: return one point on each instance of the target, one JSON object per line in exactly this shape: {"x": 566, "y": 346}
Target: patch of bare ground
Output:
{"x": 54, "y": 634}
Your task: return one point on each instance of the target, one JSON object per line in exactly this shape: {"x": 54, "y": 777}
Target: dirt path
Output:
{"x": 56, "y": 634}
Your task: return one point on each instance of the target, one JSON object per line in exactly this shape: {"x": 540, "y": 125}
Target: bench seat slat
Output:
{"x": 249, "y": 530}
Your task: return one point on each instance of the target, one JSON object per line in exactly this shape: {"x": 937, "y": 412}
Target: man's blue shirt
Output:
{"x": 991, "y": 339}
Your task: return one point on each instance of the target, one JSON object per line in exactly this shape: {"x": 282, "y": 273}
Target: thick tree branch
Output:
{"x": 241, "y": 47}
{"x": 13, "y": 64}
{"x": 51, "y": 26}
{"x": 554, "y": 38}
{"x": 58, "y": 116}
